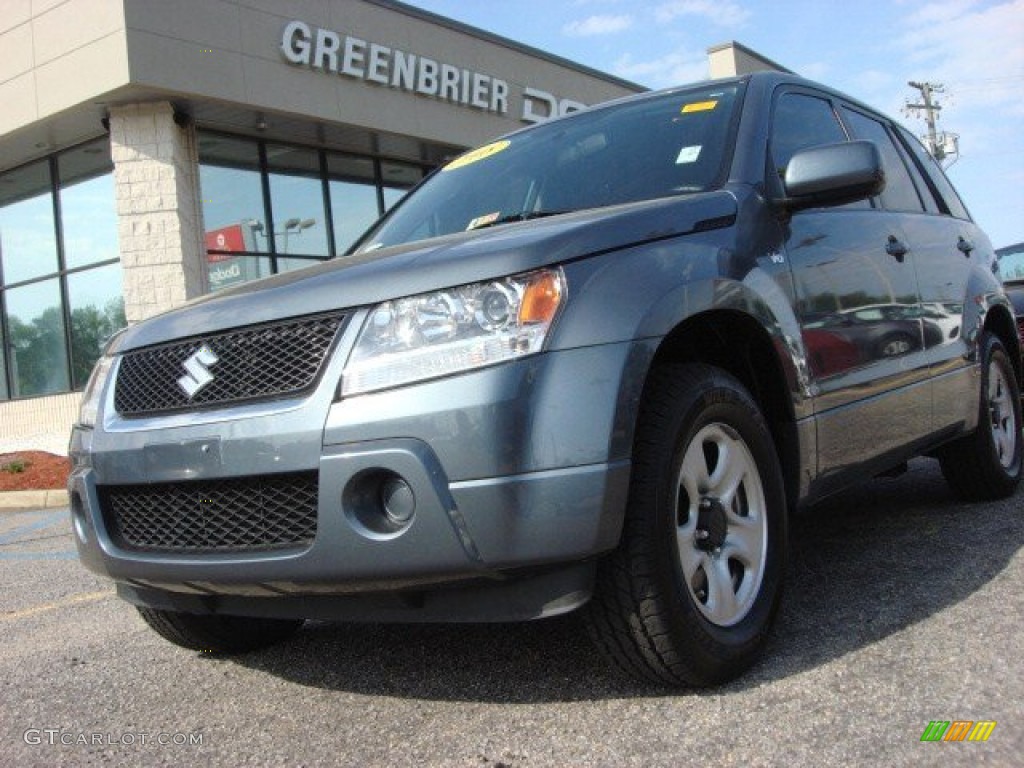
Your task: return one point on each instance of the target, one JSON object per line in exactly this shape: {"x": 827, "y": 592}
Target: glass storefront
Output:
{"x": 60, "y": 275}
{"x": 268, "y": 208}
{"x": 271, "y": 207}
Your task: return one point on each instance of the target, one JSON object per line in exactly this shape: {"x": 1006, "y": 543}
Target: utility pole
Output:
{"x": 941, "y": 145}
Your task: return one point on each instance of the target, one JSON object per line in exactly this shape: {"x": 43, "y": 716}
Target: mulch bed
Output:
{"x": 33, "y": 471}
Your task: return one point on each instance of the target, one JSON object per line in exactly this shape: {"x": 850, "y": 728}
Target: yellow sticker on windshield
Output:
{"x": 699, "y": 106}
{"x": 477, "y": 155}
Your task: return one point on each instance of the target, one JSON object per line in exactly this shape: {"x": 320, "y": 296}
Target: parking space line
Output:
{"x": 65, "y": 603}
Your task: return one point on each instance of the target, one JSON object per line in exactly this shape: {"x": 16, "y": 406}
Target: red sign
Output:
{"x": 224, "y": 239}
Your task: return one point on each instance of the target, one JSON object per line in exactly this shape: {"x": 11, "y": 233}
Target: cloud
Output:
{"x": 974, "y": 51}
{"x": 673, "y": 69}
{"x": 724, "y": 13}
{"x": 598, "y": 25}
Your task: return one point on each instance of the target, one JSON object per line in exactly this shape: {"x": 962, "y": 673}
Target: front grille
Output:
{"x": 228, "y": 515}
{"x": 251, "y": 364}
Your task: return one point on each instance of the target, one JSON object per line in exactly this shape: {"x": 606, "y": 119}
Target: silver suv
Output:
{"x": 593, "y": 365}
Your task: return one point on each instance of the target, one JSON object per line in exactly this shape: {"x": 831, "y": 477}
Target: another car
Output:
{"x": 1011, "y": 269}
{"x": 573, "y": 369}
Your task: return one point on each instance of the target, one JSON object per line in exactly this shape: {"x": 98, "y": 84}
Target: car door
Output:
{"x": 857, "y": 303}
{"x": 951, "y": 247}
{"x": 942, "y": 260}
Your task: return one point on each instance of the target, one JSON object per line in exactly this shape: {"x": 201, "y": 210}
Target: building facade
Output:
{"x": 151, "y": 152}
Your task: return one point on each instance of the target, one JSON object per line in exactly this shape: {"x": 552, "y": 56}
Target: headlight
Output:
{"x": 458, "y": 329}
{"x": 91, "y": 397}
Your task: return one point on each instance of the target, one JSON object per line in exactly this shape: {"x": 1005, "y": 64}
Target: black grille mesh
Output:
{"x": 252, "y": 363}
{"x": 213, "y": 516}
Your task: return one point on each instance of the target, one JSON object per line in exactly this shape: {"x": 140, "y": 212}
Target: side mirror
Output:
{"x": 833, "y": 174}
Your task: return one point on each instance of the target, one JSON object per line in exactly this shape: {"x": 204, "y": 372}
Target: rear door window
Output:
{"x": 899, "y": 194}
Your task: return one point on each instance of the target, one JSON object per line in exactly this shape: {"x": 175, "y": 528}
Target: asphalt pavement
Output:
{"x": 903, "y": 607}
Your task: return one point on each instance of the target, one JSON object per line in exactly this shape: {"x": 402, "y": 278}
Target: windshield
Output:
{"x": 666, "y": 145}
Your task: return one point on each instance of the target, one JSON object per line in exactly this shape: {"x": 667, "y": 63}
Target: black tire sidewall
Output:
{"x": 994, "y": 352}
{"x": 722, "y": 401}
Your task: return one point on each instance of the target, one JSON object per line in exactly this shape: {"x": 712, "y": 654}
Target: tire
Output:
{"x": 689, "y": 595}
{"x": 895, "y": 345}
{"x": 218, "y": 634}
{"x": 986, "y": 464}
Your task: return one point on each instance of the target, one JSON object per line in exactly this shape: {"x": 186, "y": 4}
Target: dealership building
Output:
{"x": 152, "y": 152}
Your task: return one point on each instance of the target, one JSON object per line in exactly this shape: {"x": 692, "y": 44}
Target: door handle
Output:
{"x": 965, "y": 246}
{"x": 894, "y": 247}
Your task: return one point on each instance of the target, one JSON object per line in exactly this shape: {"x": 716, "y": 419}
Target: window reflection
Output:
{"x": 354, "y": 203}
{"x": 297, "y": 197}
{"x": 28, "y": 241}
{"x": 229, "y": 178}
{"x": 36, "y": 350}
{"x": 34, "y": 358}
{"x": 235, "y": 210}
{"x": 87, "y": 209}
{"x": 96, "y": 300}
{"x": 4, "y": 392}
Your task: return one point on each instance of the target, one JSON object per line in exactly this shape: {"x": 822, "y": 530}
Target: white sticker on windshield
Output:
{"x": 688, "y": 155}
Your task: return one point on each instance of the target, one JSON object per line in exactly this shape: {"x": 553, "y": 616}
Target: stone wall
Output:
{"x": 158, "y": 208}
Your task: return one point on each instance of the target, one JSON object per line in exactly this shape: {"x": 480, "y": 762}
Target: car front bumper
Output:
{"x": 511, "y": 485}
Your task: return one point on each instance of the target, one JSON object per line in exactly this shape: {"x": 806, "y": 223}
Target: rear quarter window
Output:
{"x": 947, "y": 196}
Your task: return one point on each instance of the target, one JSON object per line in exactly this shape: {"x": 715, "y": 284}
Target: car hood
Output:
{"x": 466, "y": 257}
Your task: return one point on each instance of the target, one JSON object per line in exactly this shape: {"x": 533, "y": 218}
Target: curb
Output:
{"x": 20, "y": 500}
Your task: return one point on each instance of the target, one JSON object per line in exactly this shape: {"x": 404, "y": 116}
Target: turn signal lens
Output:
{"x": 541, "y": 300}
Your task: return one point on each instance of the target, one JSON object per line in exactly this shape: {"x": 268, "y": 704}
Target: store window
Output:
{"x": 28, "y": 238}
{"x": 270, "y": 207}
{"x": 297, "y": 200}
{"x": 60, "y": 278}
{"x": 352, "y": 182}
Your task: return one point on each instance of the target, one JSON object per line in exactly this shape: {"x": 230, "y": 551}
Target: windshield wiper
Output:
{"x": 521, "y": 216}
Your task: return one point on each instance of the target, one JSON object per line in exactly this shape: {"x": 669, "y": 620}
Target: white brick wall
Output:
{"x": 160, "y": 220}
{"x": 39, "y": 424}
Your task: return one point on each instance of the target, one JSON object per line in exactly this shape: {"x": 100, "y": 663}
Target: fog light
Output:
{"x": 398, "y": 500}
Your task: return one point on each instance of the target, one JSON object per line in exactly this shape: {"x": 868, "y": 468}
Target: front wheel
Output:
{"x": 689, "y": 595}
{"x": 218, "y": 634}
{"x": 986, "y": 464}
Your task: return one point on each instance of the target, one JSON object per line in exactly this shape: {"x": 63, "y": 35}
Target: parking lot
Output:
{"x": 904, "y": 606}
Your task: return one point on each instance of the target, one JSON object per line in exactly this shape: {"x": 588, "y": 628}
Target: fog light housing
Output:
{"x": 379, "y": 503}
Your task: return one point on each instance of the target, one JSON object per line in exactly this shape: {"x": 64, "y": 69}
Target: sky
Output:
{"x": 868, "y": 49}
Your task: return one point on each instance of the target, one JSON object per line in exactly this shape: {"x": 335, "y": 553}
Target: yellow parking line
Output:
{"x": 74, "y": 600}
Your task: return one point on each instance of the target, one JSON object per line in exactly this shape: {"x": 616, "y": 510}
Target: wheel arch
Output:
{"x": 1000, "y": 321}
{"x": 740, "y": 345}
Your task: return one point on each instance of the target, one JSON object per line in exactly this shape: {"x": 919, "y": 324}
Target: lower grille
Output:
{"x": 231, "y": 515}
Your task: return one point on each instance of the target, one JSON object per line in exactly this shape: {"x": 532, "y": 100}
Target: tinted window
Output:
{"x": 899, "y": 193}
{"x": 949, "y": 198}
{"x": 802, "y": 121}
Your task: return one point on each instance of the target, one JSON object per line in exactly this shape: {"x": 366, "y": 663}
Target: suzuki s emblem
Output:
{"x": 198, "y": 373}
